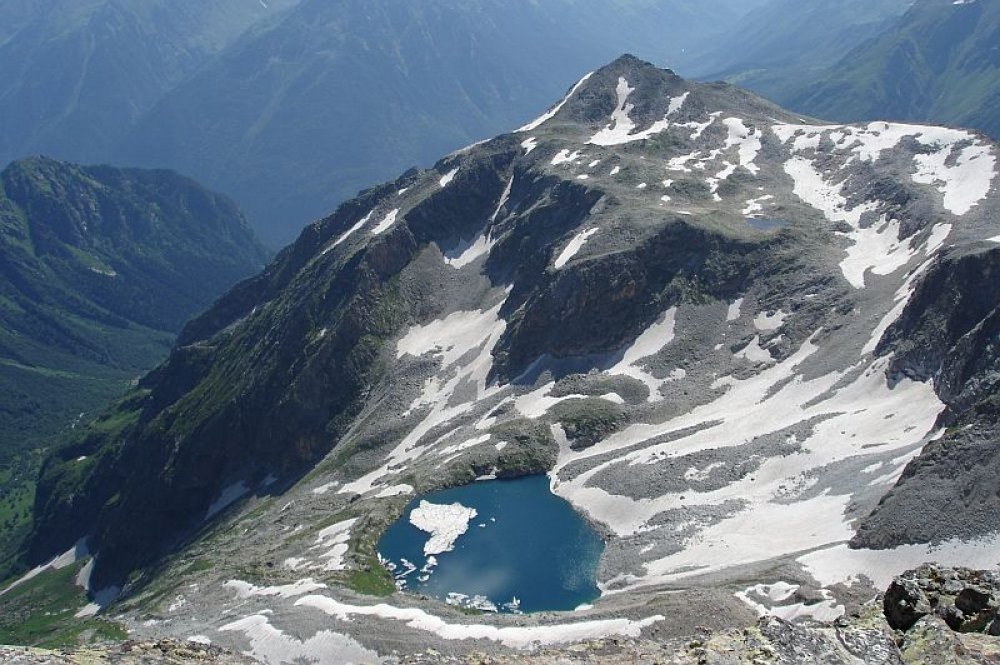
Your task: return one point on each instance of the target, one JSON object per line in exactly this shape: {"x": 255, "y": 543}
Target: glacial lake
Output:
{"x": 523, "y": 550}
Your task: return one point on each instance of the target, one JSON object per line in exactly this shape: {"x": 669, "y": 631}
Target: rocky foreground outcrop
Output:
{"x": 945, "y": 616}
{"x": 165, "y": 652}
{"x": 967, "y": 600}
{"x": 931, "y": 614}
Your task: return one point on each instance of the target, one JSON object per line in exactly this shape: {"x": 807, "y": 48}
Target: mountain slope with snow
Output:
{"x": 747, "y": 291}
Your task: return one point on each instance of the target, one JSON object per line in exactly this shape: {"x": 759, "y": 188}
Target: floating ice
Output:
{"x": 445, "y": 523}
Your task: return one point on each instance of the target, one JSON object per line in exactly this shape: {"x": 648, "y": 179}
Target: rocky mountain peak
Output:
{"x": 645, "y": 97}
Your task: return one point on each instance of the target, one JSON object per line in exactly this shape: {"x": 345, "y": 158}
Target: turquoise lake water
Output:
{"x": 524, "y": 543}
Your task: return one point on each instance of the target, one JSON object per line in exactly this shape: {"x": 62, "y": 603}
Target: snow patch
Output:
{"x": 574, "y": 247}
{"x": 548, "y": 115}
{"x": 700, "y": 127}
{"x": 67, "y": 558}
{"x": 964, "y": 175}
{"x": 767, "y": 322}
{"x": 335, "y": 540}
{"x": 677, "y": 103}
{"x": 395, "y": 490}
{"x": 620, "y": 130}
{"x": 274, "y": 647}
{"x": 386, "y": 223}
{"x": 514, "y": 637}
{"x": 566, "y": 157}
{"x": 653, "y": 340}
{"x": 746, "y": 140}
{"x": 245, "y": 590}
{"x": 964, "y": 182}
{"x": 733, "y": 313}
{"x": 772, "y": 518}
{"x": 347, "y": 234}
{"x": 755, "y": 353}
{"x": 876, "y": 247}
{"x": 755, "y": 206}
{"x": 826, "y": 610}
{"x": 324, "y": 488}
{"x": 229, "y": 496}
{"x": 841, "y": 564}
{"x": 448, "y": 177}
{"x": 452, "y": 339}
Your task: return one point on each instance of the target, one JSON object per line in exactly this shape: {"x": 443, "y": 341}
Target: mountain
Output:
{"x": 726, "y": 334}
{"x": 79, "y": 73}
{"x": 939, "y": 63}
{"x": 786, "y": 43}
{"x": 302, "y": 113}
{"x": 292, "y": 106}
{"x": 100, "y": 269}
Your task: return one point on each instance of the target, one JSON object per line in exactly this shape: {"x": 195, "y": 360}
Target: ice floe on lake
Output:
{"x": 445, "y": 524}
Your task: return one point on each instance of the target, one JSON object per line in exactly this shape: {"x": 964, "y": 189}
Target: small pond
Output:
{"x": 498, "y": 546}
{"x": 764, "y": 224}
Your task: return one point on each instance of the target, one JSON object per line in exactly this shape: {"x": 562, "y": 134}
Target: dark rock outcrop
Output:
{"x": 967, "y": 600}
{"x": 948, "y": 332}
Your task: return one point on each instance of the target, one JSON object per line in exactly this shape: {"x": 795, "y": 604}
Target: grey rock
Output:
{"x": 905, "y": 604}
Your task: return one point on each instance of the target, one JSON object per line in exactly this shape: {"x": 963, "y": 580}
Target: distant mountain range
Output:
{"x": 294, "y": 107}
{"x": 77, "y": 74}
{"x": 786, "y": 42}
{"x": 940, "y": 62}
{"x": 99, "y": 269}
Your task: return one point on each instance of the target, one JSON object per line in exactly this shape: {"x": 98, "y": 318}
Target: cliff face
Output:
{"x": 949, "y": 333}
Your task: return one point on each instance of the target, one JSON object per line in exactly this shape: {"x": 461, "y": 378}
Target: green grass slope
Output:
{"x": 939, "y": 63}
{"x": 99, "y": 269}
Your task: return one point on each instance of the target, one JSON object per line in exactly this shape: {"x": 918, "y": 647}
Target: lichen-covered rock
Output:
{"x": 932, "y": 641}
{"x": 160, "y": 652}
{"x": 966, "y": 600}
